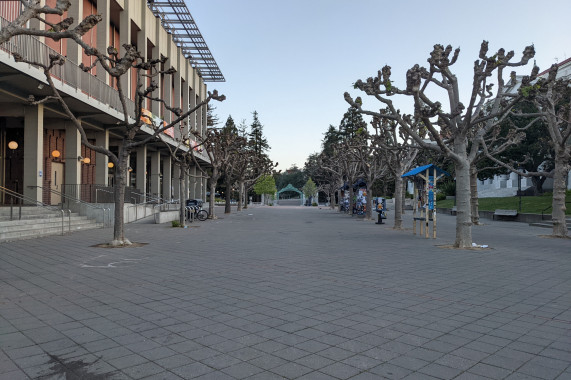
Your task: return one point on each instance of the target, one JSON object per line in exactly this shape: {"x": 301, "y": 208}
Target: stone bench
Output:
{"x": 502, "y": 214}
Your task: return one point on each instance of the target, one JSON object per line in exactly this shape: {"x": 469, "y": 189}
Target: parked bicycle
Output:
{"x": 194, "y": 210}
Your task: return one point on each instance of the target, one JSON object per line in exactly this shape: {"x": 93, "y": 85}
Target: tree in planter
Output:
{"x": 552, "y": 98}
{"x": 309, "y": 189}
{"x": 116, "y": 66}
{"x": 265, "y": 185}
{"x": 399, "y": 151}
{"x": 457, "y": 130}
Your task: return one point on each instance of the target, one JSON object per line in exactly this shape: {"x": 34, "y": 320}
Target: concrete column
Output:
{"x": 192, "y": 183}
{"x": 141, "y": 177}
{"x": 72, "y": 165}
{"x": 175, "y": 183}
{"x": 101, "y": 160}
{"x": 103, "y": 36}
{"x": 176, "y": 101}
{"x": 191, "y": 103}
{"x": 33, "y": 151}
{"x": 204, "y": 189}
{"x": 167, "y": 179}
{"x": 74, "y": 51}
{"x": 155, "y": 173}
{"x": 125, "y": 38}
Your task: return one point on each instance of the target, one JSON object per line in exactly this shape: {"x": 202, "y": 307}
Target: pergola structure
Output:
{"x": 290, "y": 187}
{"x": 177, "y": 20}
{"x": 424, "y": 203}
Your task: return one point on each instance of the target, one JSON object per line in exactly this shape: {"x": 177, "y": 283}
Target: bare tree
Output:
{"x": 34, "y": 10}
{"x": 132, "y": 122}
{"x": 372, "y": 163}
{"x": 552, "y": 97}
{"x": 221, "y": 147}
{"x": 456, "y": 131}
{"x": 399, "y": 151}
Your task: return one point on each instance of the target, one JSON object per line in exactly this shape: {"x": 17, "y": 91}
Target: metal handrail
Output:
{"x": 105, "y": 211}
{"x": 550, "y": 206}
{"x": 30, "y": 47}
{"x": 22, "y": 197}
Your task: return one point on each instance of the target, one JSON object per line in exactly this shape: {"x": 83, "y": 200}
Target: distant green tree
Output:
{"x": 293, "y": 175}
{"x": 257, "y": 141}
{"x": 265, "y": 185}
{"x": 211, "y": 118}
{"x": 309, "y": 189}
{"x": 351, "y": 124}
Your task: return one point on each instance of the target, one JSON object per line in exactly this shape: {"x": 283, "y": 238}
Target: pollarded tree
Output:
{"x": 552, "y": 97}
{"x": 372, "y": 162}
{"x": 457, "y": 129}
{"x": 117, "y": 66}
{"x": 33, "y": 10}
{"x": 221, "y": 146}
{"x": 399, "y": 151}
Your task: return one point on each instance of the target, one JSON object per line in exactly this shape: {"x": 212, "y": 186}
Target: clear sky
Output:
{"x": 292, "y": 60}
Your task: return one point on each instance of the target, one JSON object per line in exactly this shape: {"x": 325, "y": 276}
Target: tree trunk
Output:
{"x": 474, "y": 204}
{"x": 351, "y": 200}
{"x": 562, "y": 167}
{"x": 181, "y": 192}
{"x": 240, "y": 195}
{"x": 332, "y": 200}
{"x": 369, "y": 198}
{"x": 537, "y": 182}
{"x": 119, "y": 190}
{"x": 403, "y": 197}
{"x": 463, "y": 213}
{"x": 212, "y": 185}
{"x": 228, "y": 197}
{"x": 398, "y": 200}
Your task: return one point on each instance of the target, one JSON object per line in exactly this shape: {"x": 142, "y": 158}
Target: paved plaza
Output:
{"x": 287, "y": 292}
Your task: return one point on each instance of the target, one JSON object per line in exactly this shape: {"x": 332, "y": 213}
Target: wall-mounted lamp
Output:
{"x": 110, "y": 165}
{"x": 130, "y": 169}
{"x": 85, "y": 160}
{"x": 40, "y": 86}
{"x": 13, "y": 145}
{"x": 56, "y": 153}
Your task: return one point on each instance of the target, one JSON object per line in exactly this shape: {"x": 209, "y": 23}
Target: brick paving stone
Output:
{"x": 295, "y": 294}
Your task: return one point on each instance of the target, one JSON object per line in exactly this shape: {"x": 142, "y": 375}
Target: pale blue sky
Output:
{"x": 292, "y": 60}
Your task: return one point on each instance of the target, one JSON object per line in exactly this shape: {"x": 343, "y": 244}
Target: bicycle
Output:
{"x": 195, "y": 212}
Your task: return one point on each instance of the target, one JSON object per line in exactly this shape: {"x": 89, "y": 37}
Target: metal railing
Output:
{"x": 27, "y": 200}
{"x": 106, "y": 212}
{"x": 95, "y": 193}
{"x": 32, "y": 49}
{"x": 549, "y": 207}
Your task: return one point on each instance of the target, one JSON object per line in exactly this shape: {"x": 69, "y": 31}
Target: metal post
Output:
{"x": 519, "y": 189}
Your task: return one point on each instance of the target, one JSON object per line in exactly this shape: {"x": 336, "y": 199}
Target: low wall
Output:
{"x": 522, "y": 218}
{"x": 166, "y": 216}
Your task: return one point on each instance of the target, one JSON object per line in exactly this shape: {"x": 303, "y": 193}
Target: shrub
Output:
{"x": 314, "y": 204}
{"x": 447, "y": 188}
{"x": 176, "y": 223}
{"x": 440, "y": 196}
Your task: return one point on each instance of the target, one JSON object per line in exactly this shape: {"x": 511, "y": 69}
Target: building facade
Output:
{"x": 41, "y": 151}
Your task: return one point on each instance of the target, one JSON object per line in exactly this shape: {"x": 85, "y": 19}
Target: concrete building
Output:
{"x": 41, "y": 151}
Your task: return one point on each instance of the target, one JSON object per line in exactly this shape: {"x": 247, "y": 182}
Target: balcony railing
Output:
{"x": 32, "y": 49}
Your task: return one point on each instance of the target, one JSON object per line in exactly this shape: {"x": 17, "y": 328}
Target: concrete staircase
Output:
{"x": 549, "y": 223}
{"x": 38, "y": 221}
